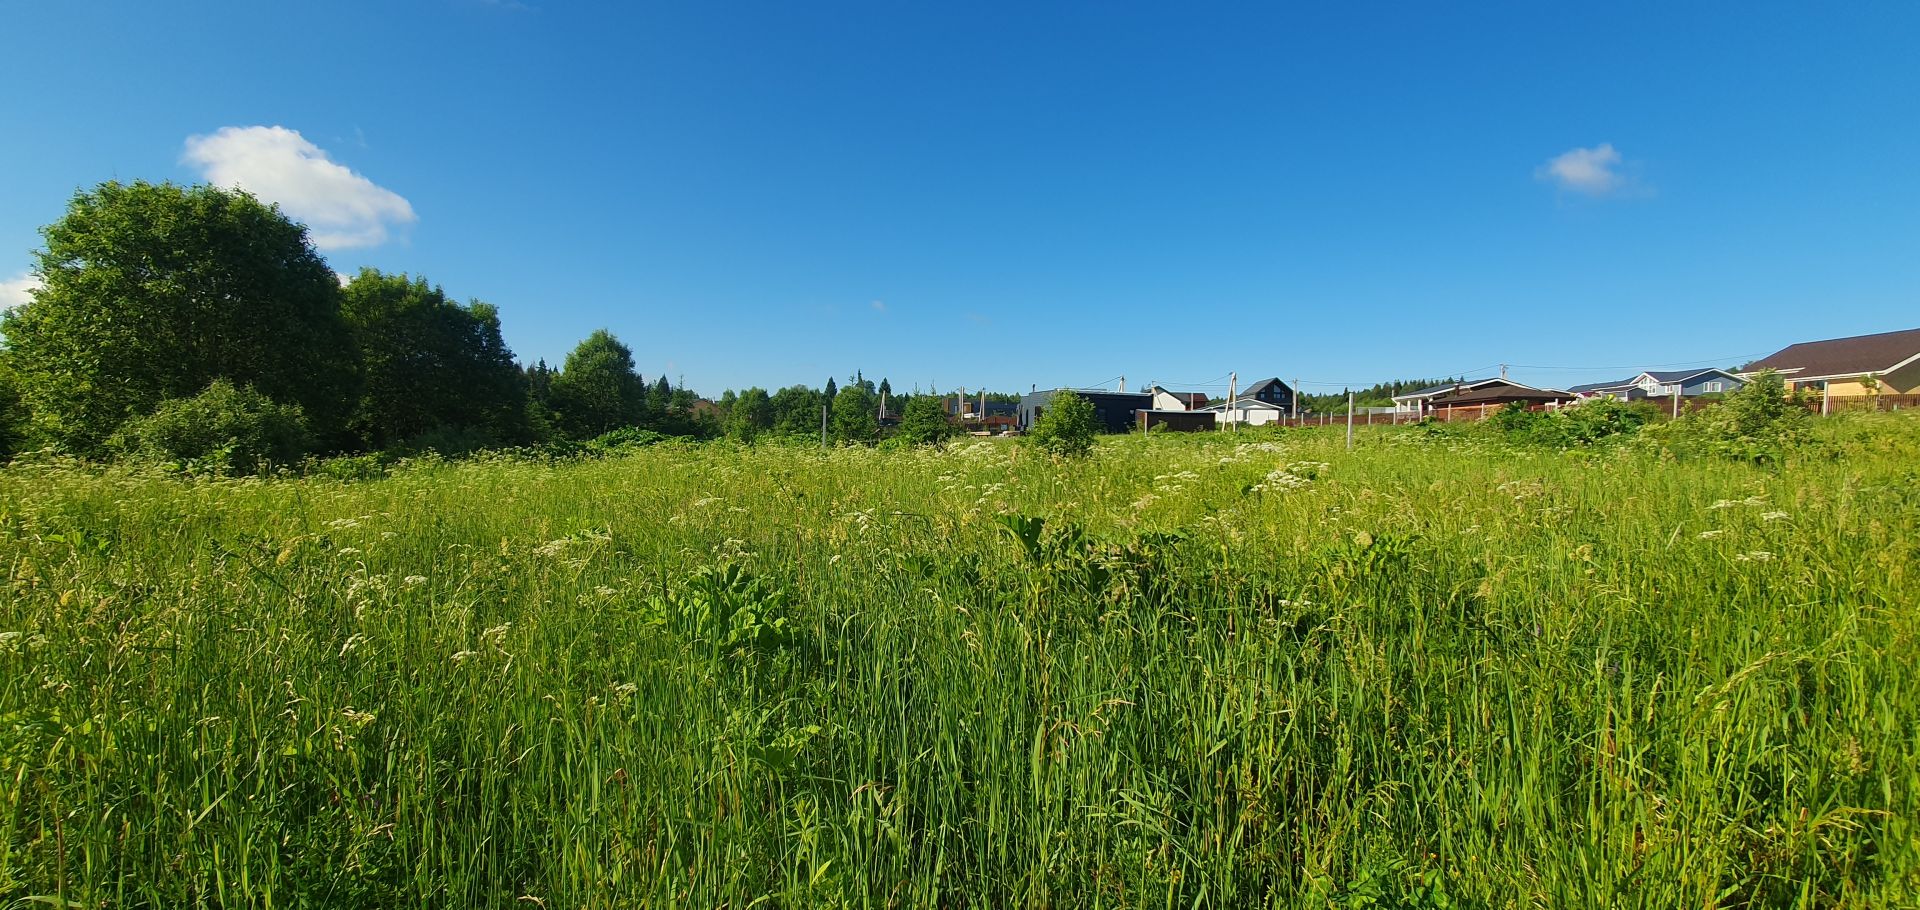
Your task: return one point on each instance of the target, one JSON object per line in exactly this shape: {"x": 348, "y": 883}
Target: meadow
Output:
{"x": 1234, "y": 670}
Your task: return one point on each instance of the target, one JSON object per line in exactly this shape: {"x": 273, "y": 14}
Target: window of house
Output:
{"x": 1713, "y": 386}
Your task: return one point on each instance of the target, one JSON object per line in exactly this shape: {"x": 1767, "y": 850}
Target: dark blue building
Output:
{"x": 1114, "y": 410}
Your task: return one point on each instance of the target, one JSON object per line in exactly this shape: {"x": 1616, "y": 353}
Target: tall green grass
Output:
{"x": 1223, "y": 671}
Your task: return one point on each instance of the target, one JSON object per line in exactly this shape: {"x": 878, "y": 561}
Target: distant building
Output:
{"x": 1270, "y": 391}
{"x": 1114, "y": 410}
{"x": 1416, "y": 403}
{"x": 1164, "y": 400}
{"x": 1248, "y": 412}
{"x": 1887, "y": 363}
{"x": 1488, "y": 393}
{"x": 1663, "y": 384}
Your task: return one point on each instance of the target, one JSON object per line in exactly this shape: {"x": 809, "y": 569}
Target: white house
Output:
{"x": 1164, "y": 400}
{"x": 1249, "y": 411}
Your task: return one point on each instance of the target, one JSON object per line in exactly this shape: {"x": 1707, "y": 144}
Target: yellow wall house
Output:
{"x": 1841, "y": 366}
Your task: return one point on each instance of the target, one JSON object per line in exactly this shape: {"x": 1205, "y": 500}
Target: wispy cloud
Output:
{"x": 879, "y": 306}
{"x": 340, "y": 207}
{"x": 17, "y": 290}
{"x": 1593, "y": 172}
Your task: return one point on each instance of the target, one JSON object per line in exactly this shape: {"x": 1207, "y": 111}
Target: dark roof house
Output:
{"x": 1839, "y": 364}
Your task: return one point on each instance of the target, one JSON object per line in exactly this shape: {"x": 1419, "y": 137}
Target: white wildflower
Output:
{"x": 1773, "y": 516}
{"x": 414, "y": 581}
{"x": 1709, "y": 535}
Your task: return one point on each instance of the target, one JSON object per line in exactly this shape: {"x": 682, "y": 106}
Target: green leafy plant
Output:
{"x": 1065, "y": 428}
{"x": 225, "y": 429}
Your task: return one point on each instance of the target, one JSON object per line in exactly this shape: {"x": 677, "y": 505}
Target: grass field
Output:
{"x": 1225, "y": 671}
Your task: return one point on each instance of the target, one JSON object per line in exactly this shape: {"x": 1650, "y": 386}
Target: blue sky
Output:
{"x": 1006, "y": 195}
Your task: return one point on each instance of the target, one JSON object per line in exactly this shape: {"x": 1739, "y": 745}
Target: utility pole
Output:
{"x": 1676, "y": 402}
{"x": 1233, "y": 405}
{"x": 1503, "y": 372}
{"x": 1123, "y": 382}
{"x": 1349, "y": 420}
{"x": 1296, "y": 398}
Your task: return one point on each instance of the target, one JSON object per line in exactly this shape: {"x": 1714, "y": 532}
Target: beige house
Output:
{"x": 1886, "y": 364}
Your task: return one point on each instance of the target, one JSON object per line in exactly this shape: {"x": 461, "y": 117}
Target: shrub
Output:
{"x": 1756, "y": 423}
{"x": 624, "y": 439}
{"x": 1066, "y": 426}
{"x": 1587, "y": 423}
{"x": 226, "y": 429}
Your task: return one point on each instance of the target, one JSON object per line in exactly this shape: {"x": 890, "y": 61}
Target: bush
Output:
{"x": 1065, "y": 428}
{"x": 1592, "y": 422}
{"x": 226, "y": 429}
{"x": 624, "y": 439}
{"x": 1756, "y": 423}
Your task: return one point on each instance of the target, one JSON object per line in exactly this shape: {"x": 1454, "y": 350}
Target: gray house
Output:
{"x": 1114, "y": 410}
{"x": 1663, "y": 384}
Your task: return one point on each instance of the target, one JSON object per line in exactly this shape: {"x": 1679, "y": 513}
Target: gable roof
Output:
{"x": 1443, "y": 388}
{"x": 1247, "y": 404}
{"x": 1600, "y": 386}
{"x": 1262, "y": 385}
{"x": 1853, "y": 356}
{"x": 1192, "y": 401}
{"x": 1681, "y": 376}
{"x": 1503, "y": 390}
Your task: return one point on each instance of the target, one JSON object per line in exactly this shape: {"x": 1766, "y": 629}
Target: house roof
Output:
{"x": 1262, "y": 385}
{"x": 1681, "y": 376}
{"x": 1443, "y": 388}
{"x": 1600, "y": 386}
{"x": 1245, "y": 404}
{"x": 1503, "y": 390}
{"x": 1854, "y": 356}
{"x": 1193, "y": 401}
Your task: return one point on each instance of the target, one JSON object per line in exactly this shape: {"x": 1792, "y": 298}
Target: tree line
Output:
{"x": 1378, "y": 395}
{"x": 194, "y": 322}
{"x": 198, "y": 324}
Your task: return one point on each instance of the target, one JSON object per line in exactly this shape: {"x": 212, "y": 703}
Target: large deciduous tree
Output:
{"x": 153, "y": 291}
{"x": 597, "y": 389}
{"x": 430, "y": 364}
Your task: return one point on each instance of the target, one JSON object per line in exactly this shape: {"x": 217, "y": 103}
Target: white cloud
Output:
{"x": 15, "y": 291}
{"x": 879, "y": 306}
{"x": 341, "y": 208}
{"x": 1594, "y": 171}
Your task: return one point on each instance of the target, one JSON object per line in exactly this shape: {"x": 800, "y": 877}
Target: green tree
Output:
{"x": 153, "y": 291}
{"x": 855, "y": 415}
{"x": 1066, "y": 426}
{"x": 923, "y": 421}
{"x": 13, "y": 413}
{"x": 796, "y": 411}
{"x": 660, "y": 396}
{"x": 597, "y": 389}
{"x": 750, "y": 415}
{"x": 430, "y": 364}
